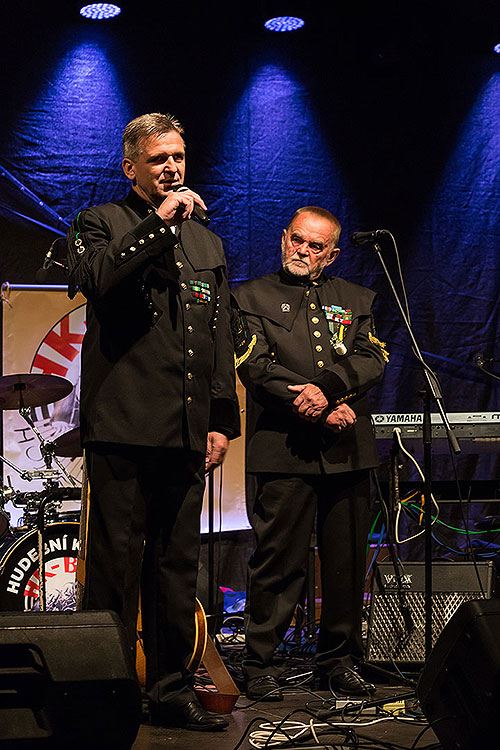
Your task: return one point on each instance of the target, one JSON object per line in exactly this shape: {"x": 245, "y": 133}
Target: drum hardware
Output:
{"x": 24, "y": 392}
{"x": 47, "y": 447}
{"x": 41, "y": 550}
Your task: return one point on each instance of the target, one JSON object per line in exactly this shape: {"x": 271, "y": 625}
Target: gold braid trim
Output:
{"x": 239, "y": 360}
{"x": 381, "y": 345}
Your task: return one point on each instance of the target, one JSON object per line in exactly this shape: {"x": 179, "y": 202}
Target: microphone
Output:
{"x": 49, "y": 260}
{"x": 361, "y": 238}
{"x": 198, "y": 212}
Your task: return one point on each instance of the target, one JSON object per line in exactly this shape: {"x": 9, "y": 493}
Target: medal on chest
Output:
{"x": 338, "y": 319}
{"x": 200, "y": 291}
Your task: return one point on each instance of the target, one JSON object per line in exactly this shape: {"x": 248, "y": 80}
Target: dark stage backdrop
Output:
{"x": 387, "y": 120}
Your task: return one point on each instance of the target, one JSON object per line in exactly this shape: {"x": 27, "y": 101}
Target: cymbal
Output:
{"x": 68, "y": 444}
{"x": 35, "y": 389}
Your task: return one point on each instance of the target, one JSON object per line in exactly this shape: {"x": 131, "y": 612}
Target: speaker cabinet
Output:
{"x": 459, "y": 688}
{"x": 453, "y": 583}
{"x": 66, "y": 681}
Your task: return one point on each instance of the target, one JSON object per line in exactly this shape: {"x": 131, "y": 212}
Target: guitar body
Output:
{"x": 200, "y": 644}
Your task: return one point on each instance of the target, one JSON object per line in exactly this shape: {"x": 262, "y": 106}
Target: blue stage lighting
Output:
{"x": 496, "y": 48}
{"x": 284, "y": 23}
{"x": 100, "y": 11}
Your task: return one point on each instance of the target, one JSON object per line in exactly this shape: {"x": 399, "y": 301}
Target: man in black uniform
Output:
{"x": 158, "y": 403}
{"x": 314, "y": 356}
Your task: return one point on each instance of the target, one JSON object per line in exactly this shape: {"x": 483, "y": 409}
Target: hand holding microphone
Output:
{"x": 181, "y": 204}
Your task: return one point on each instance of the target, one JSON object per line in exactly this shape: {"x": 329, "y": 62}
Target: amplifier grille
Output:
{"x": 388, "y": 638}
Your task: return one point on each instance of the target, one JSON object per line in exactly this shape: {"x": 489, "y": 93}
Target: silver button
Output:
{"x": 187, "y": 306}
{"x": 132, "y": 249}
{"x": 190, "y": 329}
{"x": 151, "y": 236}
{"x": 141, "y": 242}
{"x": 189, "y": 375}
{"x": 123, "y": 254}
{"x": 190, "y": 353}
{"x": 162, "y": 230}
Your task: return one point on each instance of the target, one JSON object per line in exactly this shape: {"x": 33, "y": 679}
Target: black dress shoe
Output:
{"x": 348, "y": 681}
{"x": 190, "y": 715}
{"x": 264, "y": 688}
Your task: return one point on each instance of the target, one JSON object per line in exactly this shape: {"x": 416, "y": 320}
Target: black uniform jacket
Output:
{"x": 157, "y": 357}
{"x": 296, "y": 327}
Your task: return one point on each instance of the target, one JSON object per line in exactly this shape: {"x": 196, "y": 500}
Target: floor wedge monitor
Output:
{"x": 66, "y": 681}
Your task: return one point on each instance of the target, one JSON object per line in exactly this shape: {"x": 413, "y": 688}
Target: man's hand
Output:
{"x": 178, "y": 206}
{"x": 217, "y": 444}
{"x": 341, "y": 418}
{"x": 310, "y": 403}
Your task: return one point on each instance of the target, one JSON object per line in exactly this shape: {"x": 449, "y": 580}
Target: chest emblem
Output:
{"x": 338, "y": 319}
{"x": 200, "y": 291}
{"x": 285, "y": 307}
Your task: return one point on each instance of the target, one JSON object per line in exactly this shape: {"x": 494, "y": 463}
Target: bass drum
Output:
{"x": 19, "y": 577}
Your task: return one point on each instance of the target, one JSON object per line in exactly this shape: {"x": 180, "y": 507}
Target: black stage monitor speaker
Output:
{"x": 459, "y": 688}
{"x": 66, "y": 681}
{"x": 453, "y": 583}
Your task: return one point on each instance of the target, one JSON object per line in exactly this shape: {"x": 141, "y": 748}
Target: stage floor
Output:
{"x": 399, "y": 734}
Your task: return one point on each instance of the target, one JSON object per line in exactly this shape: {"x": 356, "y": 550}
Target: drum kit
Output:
{"x": 38, "y": 558}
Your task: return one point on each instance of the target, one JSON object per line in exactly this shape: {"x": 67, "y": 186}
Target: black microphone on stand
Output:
{"x": 361, "y": 238}
{"x": 49, "y": 260}
{"x": 198, "y": 212}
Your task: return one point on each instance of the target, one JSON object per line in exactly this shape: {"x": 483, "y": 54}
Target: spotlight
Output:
{"x": 284, "y": 23}
{"x": 100, "y": 11}
{"x": 496, "y": 48}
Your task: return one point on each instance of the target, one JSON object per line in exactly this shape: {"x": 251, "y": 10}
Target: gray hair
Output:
{"x": 145, "y": 126}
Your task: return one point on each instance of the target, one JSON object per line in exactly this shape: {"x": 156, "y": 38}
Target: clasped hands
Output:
{"x": 311, "y": 402}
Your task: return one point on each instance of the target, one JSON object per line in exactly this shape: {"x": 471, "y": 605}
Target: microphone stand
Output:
{"x": 431, "y": 394}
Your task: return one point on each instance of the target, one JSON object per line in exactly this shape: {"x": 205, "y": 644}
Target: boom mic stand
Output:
{"x": 431, "y": 394}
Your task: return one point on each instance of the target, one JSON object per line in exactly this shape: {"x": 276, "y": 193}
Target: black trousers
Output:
{"x": 283, "y": 520}
{"x": 144, "y": 534}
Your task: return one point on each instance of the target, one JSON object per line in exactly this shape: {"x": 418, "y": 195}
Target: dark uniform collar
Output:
{"x": 139, "y": 205}
{"x": 287, "y": 278}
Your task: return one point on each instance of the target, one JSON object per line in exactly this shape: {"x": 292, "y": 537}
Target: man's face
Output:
{"x": 308, "y": 246}
{"x": 159, "y": 168}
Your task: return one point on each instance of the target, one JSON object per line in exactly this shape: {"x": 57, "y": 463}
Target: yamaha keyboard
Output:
{"x": 477, "y": 432}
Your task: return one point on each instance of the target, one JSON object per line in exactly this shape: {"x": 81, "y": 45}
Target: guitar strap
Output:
{"x": 217, "y": 670}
